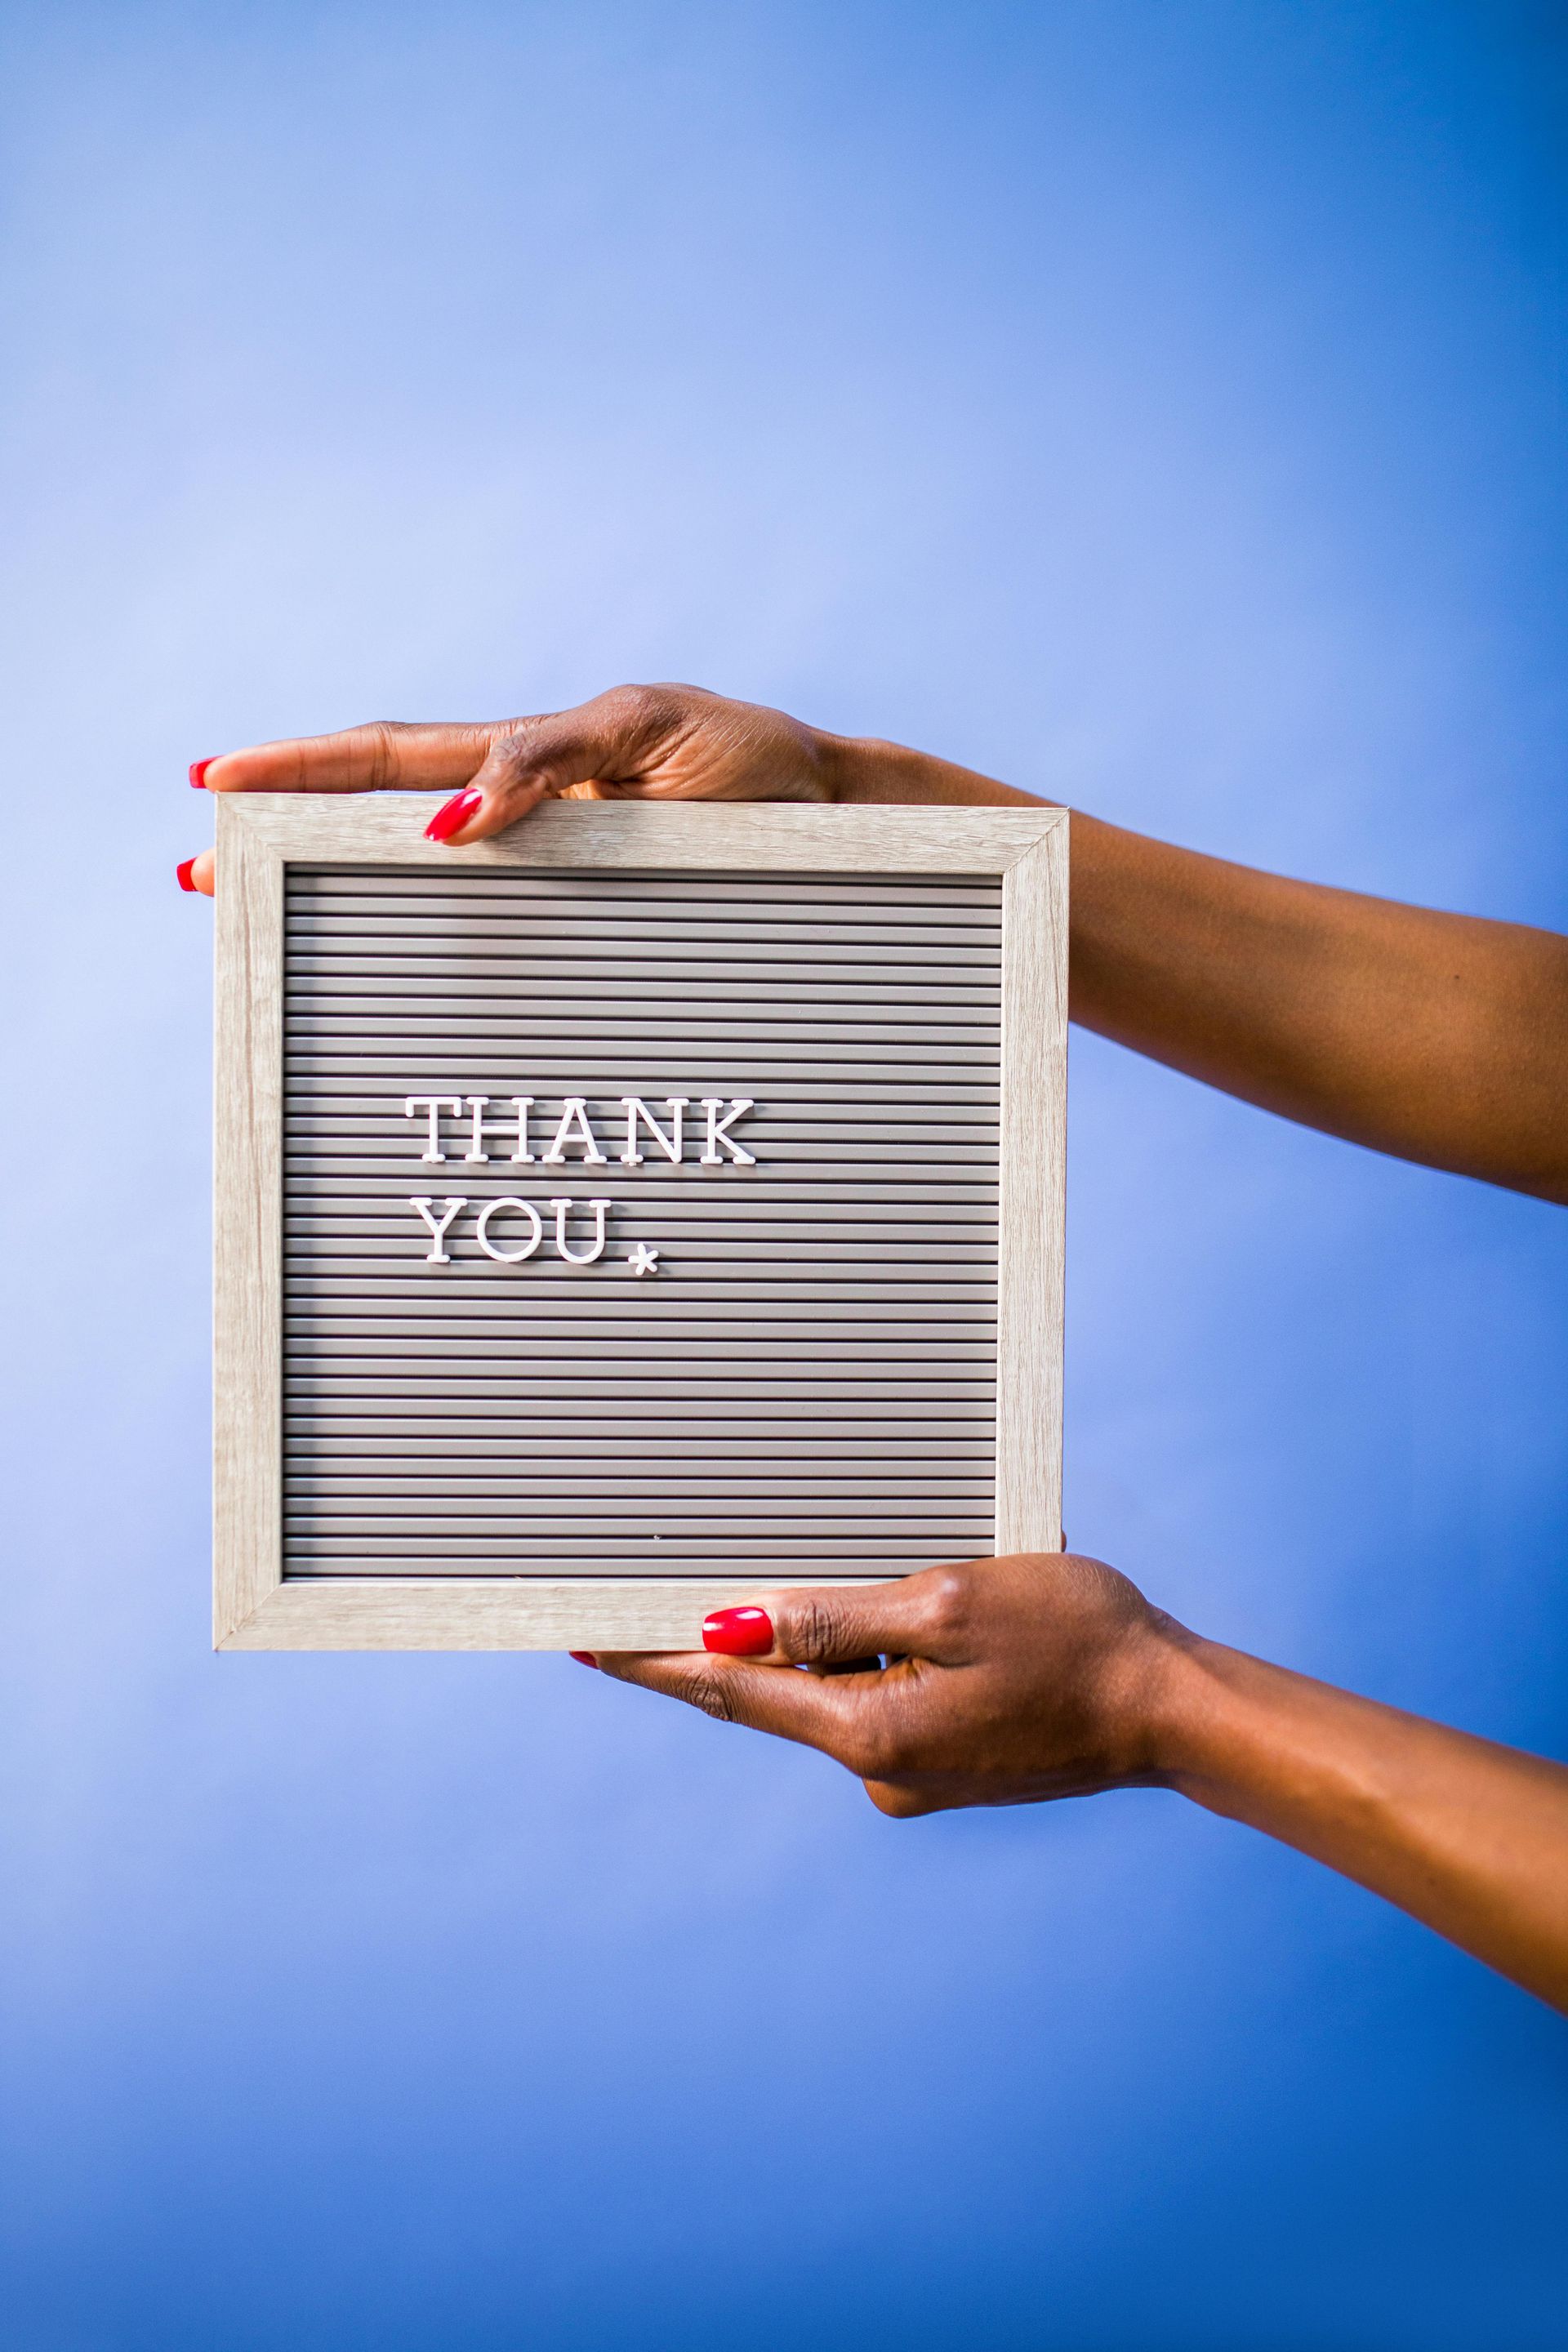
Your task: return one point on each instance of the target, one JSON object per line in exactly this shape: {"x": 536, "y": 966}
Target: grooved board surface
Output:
{"x": 806, "y": 1381}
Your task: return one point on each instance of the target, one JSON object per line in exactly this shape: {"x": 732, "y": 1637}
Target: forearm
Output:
{"x": 1436, "y": 1037}
{"x": 1467, "y": 1836}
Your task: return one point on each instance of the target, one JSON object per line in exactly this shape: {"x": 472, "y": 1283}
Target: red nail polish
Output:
{"x": 585, "y": 1658}
{"x": 182, "y": 875}
{"x": 198, "y": 771}
{"x": 738, "y": 1632}
{"x": 453, "y": 814}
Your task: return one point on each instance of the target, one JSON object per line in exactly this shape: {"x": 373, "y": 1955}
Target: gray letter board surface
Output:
{"x": 647, "y": 1207}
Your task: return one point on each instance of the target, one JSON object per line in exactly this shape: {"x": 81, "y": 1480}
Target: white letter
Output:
{"x": 438, "y": 1230}
{"x": 718, "y": 1132}
{"x": 575, "y": 1109}
{"x": 479, "y": 1105}
{"x": 570, "y": 1256}
{"x": 510, "y": 1257}
{"x": 435, "y": 1104}
{"x": 670, "y": 1144}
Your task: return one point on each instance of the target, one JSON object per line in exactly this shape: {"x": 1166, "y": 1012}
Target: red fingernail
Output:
{"x": 182, "y": 875}
{"x": 199, "y": 769}
{"x": 585, "y": 1658}
{"x": 454, "y": 814}
{"x": 738, "y": 1632}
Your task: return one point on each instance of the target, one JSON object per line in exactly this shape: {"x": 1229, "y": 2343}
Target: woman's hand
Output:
{"x": 637, "y": 742}
{"x": 643, "y": 742}
{"x": 1435, "y": 1037}
{"x": 1010, "y": 1681}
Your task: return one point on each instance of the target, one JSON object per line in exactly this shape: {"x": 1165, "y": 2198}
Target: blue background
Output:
{"x": 1158, "y": 405}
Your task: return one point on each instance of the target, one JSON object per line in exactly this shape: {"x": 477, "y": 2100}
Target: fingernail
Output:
{"x": 738, "y": 1632}
{"x": 182, "y": 875}
{"x": 198, "y": 770}
{"x": 585, "y": 1658}
{"x": 454, "y": 814}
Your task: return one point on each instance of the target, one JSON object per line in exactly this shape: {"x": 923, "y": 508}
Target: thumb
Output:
{"x": 613, "y": 739}
{"x": 837, "y": 1625}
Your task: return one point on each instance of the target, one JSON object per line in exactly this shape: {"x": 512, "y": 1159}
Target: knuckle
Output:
{"x": 637, "y": 713}
{"x": 624, "y": 710}
{"x": 517, "y": 767}
{"x": 813, "y": 1627}
{"x": 946, "y": 1599}
{"x": 713, "y": 1693}
{"x": 513, "y": 751}
{"x": 385, "y": 741}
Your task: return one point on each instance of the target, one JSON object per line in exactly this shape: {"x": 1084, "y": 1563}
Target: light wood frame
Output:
{"x": 258, "y": 835}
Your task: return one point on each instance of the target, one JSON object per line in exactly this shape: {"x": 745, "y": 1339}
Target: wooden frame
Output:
{"x": 258, "y": 835}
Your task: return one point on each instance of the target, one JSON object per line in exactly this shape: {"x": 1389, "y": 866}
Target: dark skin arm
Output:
{"x": 1015, "y": 1680}
{"x": 1441, "y": 1038}
{"x": 1435, "y": 1037}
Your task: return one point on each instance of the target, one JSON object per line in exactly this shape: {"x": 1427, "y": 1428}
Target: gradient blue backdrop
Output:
{"x": 1160, "y": 405}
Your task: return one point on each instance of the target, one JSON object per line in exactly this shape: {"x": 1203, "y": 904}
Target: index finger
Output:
{"x": 832, "y": 1715}
{"x": 386, "y": 756}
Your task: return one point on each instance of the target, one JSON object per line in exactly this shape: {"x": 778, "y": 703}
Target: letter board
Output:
{"x": 645, "y": 1208}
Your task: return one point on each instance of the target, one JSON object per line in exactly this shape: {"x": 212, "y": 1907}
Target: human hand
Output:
{"x": 1008, "y": 1682}
{"x": 635, "y": 742}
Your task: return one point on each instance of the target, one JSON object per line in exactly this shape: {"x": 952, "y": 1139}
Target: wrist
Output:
{"x": 837, "y": 764}
{"x": 862, "y": 770}
{"x": 1172, "y": 1692}
{"x": 1220, "y": 1723}
{"x": 859, "y": 769}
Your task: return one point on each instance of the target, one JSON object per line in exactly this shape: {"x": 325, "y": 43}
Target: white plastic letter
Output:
{"x": 577, "y": 1257}
{"x": 576, "y": 1110}
{"x": 437, "y": 1225}
{"x": 435, "y": 1104}
{"x": 516, "y": 1256}
{"x": 522, "y": 1105}
{"x": 479, "y": 1105}
{"x": 634, "y": 1107}
{"x": 718, "y": 1132}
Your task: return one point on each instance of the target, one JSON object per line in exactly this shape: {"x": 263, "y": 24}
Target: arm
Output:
{"x": 1435, "y": 1037}
{"x": 1441, "y": 1038}
{"x": 1016, "y": 1681}
{"x": 1469, "y": 1836}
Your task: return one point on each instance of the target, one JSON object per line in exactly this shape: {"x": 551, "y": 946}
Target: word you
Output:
{"x": 573, "y": 1138}
{"x": 643, "y": 1260}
